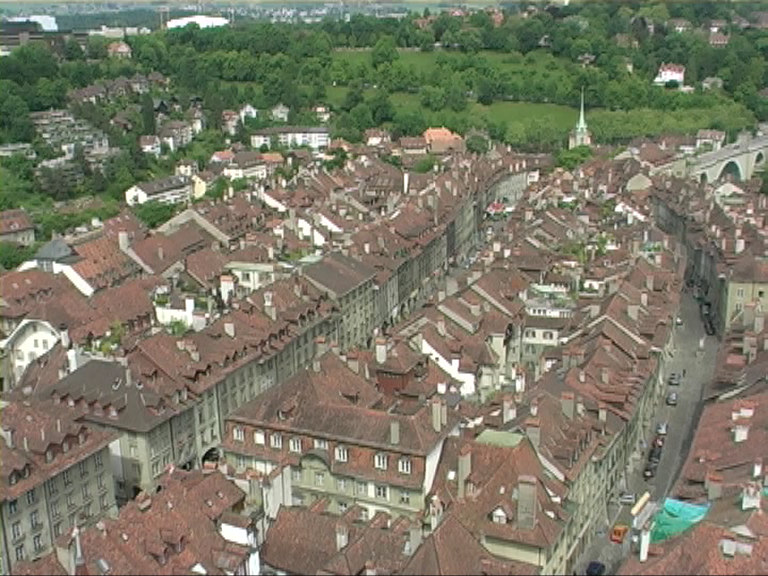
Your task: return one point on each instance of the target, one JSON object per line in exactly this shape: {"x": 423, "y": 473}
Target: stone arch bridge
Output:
{"x": 740, "y": 160}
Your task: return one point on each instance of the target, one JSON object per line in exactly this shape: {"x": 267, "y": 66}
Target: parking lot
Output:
{"x": 699, "y": 366}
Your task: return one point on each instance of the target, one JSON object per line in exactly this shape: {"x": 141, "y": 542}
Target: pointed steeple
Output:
{"x": 582, "y": 125}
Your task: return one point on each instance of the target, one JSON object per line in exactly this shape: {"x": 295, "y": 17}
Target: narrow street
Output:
{"x": 699, "y": 367}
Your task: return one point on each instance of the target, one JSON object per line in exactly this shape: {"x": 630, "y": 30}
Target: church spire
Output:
{"x": 582, "y": 125}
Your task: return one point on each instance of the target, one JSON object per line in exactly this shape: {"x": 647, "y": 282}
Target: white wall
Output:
{"x": 77, "y": 280}
{"x": 467, "y": 380}
{"x": 30, "y": 339}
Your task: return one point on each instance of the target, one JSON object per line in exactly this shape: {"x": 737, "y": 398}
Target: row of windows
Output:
{"x": 341, "y": 453}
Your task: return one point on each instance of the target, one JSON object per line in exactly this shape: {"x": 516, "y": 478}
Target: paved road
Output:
{"x": 699, "y": 367}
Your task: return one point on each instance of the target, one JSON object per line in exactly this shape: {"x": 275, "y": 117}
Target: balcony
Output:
{"x": 37, "y": 527}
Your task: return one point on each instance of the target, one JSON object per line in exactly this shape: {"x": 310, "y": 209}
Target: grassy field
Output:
{"x": 563, "y": 117}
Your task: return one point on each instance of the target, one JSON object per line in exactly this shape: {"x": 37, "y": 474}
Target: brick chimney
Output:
{"x": 381, "y": 350}
{"x": 713, "y": 482}
{"x": 508, "y": 409}
{"x": 602, "y": 412}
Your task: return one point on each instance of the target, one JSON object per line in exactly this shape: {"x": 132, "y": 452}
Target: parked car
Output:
{"x": 679, "y": 321}
{"x": 709, "y": 328}
{"x": 662, "y": 428}
{"x": 674, "y": 379}
{"x": 672, "y": 399}
{"x": 627, "y": 498}
{"x": 595, "y": 569}
{"x": 654, "y": 456}
{"x": 650, "y": 471}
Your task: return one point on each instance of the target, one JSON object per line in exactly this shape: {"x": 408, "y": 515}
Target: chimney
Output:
{"x": 508, "y": 409}
{"x": 649, "y": 282}
{"x": 644, "y": 298}
{"x": 605, "y": 376}
{"x": 602, "y": 412}
{"x": 739, "y": 245}
{"x": 66, "y": 343}
{"x": 72, "y": 360}
{"x": 580, "y": 406}
{"x": 632, "y": 311}
{"x": 42, "y": 434}
{"x": 269, "y": 308}
{"x": 122, "y": 240}
{"x": 714, "y": 485}
{"x": 526, "y": 502}
{"x": 436, "y": 415}
{"x": 394, "y": 432}
{"x": 533, "y": 431}
{"x": 26, "y": 444}
{"x": 465, "y": 467}
{"x": 58, "y": 425}
{"x": 367, "y": 248}
{"x": 229, "y": 329}
{"x": 414, "y": 538}
{"x": 381, "y": 350}
{"x": 370, "y": 569}
{"x": 353, "y": 363}
{"x": 645, "y": 544}
{"x": 757, "y": 470}
{"x": 406, "y": 178}
{"x": 534, "y": 407}
{"x": 475, "y": 310}
{"x": 750, "y": 497}
{"x": 443, "y": 413}
{"x": 160, "y": 253}
{"x": 321, "y": 347}
{"x": 740, "y": 433}
{"x": 342, "y": 536}
{"x": 566, "y": 402}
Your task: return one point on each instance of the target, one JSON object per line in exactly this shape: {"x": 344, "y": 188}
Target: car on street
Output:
{"x": 595, "y": 569}
{"x": 654, "y": 456}
{"x": 627, "y": 498}
{"x": 672, "y": 399}
{"x": 650, "y": 471}
{"x": 709, "y": 328}
{"x": 619, "y": 532}
{"x": 674, "y": 379}
{"x": 679, "y": 321}
{"x": 662, "y": 428}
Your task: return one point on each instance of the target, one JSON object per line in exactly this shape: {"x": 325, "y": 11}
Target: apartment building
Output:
{"x": 169, "y": 190}
{"x": 16, "y": 227}
{"x": 56, "y": 474}
{"x": 350, "y": 284}
{"x": 193, "y": 524}
{"x": 342, "y": 440}
{"x": 314, "y": 137}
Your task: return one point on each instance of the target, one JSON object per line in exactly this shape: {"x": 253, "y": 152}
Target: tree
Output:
{"x": 570, "y": 159}
{"x": 148, "y": 114}
{"x": 455, "y": 98}
{"x": 354, "y": 95}
{"x": 154, "y": 213}
{"x": 408, "y": 123}
{"x": 432, "y": 97}
{"x": 384, "y": 52}
{"x": 477, "y": 144}
{"x": 381, "y": 108}
{"x": 13, "y": 255}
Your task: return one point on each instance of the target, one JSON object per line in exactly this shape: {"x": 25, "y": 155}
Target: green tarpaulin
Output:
{"x": 676, "y": 517}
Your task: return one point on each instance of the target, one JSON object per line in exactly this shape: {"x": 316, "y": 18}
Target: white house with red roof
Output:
{"x": 670, "y": 73}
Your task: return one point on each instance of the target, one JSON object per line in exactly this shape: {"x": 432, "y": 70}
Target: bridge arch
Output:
{"x": 731, "y": 168}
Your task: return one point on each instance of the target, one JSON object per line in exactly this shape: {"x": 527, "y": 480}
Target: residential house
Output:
{"x": 413, "y": 145}
{"x": 168, "y": 190}
{"x": 16, "y": 227}
{"x": 119, "y": 50}
{"x": 718, "y": 40}
{"x": 247, "y": 164}
{"x": 280, "y": 113}
{"x": 376, "y": 137}
{"x": 322, "y": 113}
{"x": 176, "y": 134}
{"x": 229, "y": 121}
{"x": 443, "y": 141}
{"x": 150, "y": 145}
{"x": 711, "y": 139}
{"x": 670, "y": 73}
{"x": 247, "y": 111}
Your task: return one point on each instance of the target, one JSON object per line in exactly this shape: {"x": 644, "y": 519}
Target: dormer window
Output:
{"x": 342, "y": 454}
{"x": 404, "y": 465}
{"x": 276, "y": 441}
{"x": 81, "y": 438}
{"x": 295, "y": 445}
{"x": 184, "y": 395}
{"x": 65, "y": 446}
{"x": 112, "y": 412}
{"x": 499, "y": 516}
{"x": 238, "y": 434}
{"x": 258, "y": 437}
{"x": 380, "y": 461}
{"x": 12, "y": 479}
{"x": 48, "y": 455}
